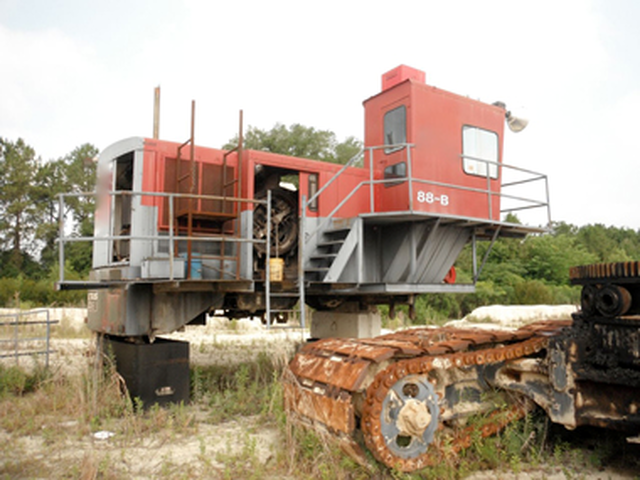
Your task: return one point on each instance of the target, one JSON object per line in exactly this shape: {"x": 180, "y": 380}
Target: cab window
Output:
{"x": 479, "y": 149}
{"x": 395, "y": 128}
{"x": 313, "y": 189}
{"x": 396, "y": 171}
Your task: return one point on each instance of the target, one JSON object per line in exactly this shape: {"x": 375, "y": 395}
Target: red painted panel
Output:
{"x": 434, "y": 124}
{"x": 435, "y": 119}
{"x": 163, "y": 173}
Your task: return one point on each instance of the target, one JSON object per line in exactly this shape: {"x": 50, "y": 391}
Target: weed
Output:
{"x": 16, "y": 381}
{"x": 243, "y": 389}
{"x": 244, "y": 464}
{"x": 66, "y": 329}
{"x": 313, "y": 454}
{"x": 48, "y": 411}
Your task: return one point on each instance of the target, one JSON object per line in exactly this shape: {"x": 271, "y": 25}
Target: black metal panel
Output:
{"x": 156, "y": 373}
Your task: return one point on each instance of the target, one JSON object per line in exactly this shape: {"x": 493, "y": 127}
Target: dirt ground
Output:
{"x": 213, "y": 451}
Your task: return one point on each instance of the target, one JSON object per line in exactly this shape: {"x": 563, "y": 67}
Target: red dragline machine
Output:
{"x": 182, "y": 230}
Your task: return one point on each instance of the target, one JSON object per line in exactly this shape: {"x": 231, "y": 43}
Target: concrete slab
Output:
{"x": 328, "y": 324}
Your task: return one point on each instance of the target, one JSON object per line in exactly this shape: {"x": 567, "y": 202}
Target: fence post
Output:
{"x": 46, "y": 355}
{"x": 15, "y": 336}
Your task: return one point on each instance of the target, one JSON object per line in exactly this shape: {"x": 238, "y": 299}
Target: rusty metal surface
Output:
{"x": 609, "y": 289}
{"x": 373, "y": 413}
{"x": 597, "y": 406}
{"x": 405, "y": 390}
{"x": 349, "y": 348}
{"x": 341, "y": 372}
{"x": 619, "y": 270}
{"x": 336, "y": 414}
{"x": 333, "y": 381}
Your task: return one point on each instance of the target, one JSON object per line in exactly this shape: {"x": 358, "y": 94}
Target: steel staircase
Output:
{"x": 334, "y": 252}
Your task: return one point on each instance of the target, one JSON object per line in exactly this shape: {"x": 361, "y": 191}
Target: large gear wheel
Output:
{"x": 284, "y": 223}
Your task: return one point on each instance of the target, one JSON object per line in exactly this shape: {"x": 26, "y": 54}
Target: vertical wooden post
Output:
{"x": 156, "y": 112}
{"x": 192, "y": 188}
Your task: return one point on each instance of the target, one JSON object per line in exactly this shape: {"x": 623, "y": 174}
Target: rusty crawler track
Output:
{"x": 405, "y": 392}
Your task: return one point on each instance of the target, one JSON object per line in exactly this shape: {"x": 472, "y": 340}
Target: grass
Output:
{"x": 235, "y": 427}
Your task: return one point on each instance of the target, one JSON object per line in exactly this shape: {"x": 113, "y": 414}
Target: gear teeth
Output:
{"x": 600, "y": 271}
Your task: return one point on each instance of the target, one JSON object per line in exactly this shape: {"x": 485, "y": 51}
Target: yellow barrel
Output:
{"x": 276, "y": 269}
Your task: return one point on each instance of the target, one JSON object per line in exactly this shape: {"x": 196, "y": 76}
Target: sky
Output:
{"x": 78, "y": 71}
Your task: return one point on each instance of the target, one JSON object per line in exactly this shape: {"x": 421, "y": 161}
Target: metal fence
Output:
{"x": 26, "y": 334}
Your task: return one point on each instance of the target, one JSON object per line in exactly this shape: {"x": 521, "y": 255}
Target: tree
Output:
{"x": 604, "y": 242}
{"x": 18, "y": 206}
{"x": 299, "y": 141}
{"x": 73, "y": 173}
{"x": 29, "y": 207}
{"x": 81, "y": 178}
{"x": 50, "y": 181}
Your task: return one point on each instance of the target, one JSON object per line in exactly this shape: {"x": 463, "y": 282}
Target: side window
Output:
{"x": 479, "y": 145}
{"x": 398, "y": 170}
{"x": 395, "y": 128}
{"x": 313, "y": 189}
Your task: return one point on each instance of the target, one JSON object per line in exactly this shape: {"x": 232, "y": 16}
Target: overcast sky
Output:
{"x": 77, "y": 71}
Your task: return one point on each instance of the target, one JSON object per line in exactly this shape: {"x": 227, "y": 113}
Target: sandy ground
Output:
{"x": 209, "y": 448}
{"x": 205, "y": 452}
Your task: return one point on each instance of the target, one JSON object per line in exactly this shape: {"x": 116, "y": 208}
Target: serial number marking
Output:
{"x": 429, "y": 197}
{"x": 92, "y": 302}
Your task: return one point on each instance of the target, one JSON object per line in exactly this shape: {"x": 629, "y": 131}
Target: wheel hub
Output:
{"x": 409, "y": 416}
{"x": 413, "y": 419}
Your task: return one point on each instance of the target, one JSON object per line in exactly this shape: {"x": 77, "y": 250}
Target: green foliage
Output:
{"x": 18, "y": 206}
{"x": 24, "y": 292}
{"x": 242, "y": 389}
{"x": 299, "y": 141}
{"x": 527, "y": 272}
{"x": 549, "y": 257}
{"x": 531, "y": 292}
{"x": 74, "y": 173}
{"x": 610, "y": 244}
{"x": 15, "y": 381}
{"x": 29, "y": 216}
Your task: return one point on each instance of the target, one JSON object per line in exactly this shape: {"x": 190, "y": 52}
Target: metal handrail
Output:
{"x": 533, "y": 203}
{"x": 171, "y": 237}
{"x": 530, "y": 202}
{"x": 349, "y": 163}
{"x": 371, "y": 181}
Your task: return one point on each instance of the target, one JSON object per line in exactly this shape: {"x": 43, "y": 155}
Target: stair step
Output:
{"x": 330, "y": 243}
{"x": 332, "y": 230}
{"x": 316, "y": 269}
{"x": 324, "y": 256}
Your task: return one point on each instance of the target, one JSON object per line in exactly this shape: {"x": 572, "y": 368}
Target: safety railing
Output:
{"x": 525, "y": 203}
{"x": 522, "y": 177}
{"x": 172, "y": 234}
{"x": 26, "y": 334}
{"x": 527, "y": 177}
